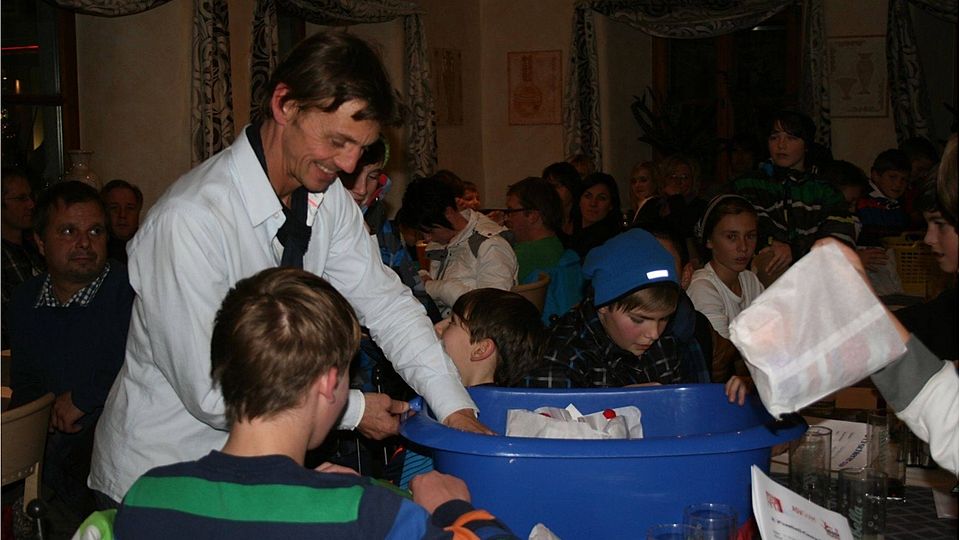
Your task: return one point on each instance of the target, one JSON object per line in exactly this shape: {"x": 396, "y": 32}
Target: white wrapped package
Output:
{"x": 569, "y": 423}
{"x": 816, "y": 330}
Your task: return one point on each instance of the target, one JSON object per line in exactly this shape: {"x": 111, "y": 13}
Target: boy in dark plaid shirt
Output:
{"x": 626, "y": 332}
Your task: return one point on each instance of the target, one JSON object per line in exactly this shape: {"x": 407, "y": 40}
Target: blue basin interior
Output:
{"x": 697, "y": 447}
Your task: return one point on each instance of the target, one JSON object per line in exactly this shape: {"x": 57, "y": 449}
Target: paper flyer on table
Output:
{"x": 781, "y": 514}
{"x": 848, "y": 444}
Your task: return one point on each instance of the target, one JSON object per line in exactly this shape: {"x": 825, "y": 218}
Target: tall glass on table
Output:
{"x": 886, "y": 451}
{"x": 810, "y": 465}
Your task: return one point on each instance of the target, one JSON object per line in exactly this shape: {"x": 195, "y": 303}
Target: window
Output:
{"x": 39, "y": 89}
{"x": 734, "y": 81}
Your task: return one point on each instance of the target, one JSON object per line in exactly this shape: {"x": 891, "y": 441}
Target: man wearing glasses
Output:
{"x": 534, "y": 214}
{"x": 21, "y": 260}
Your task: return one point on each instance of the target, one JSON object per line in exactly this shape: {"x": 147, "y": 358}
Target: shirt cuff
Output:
{"x": 447, "y": 398}
{"x": 354, "y": 410}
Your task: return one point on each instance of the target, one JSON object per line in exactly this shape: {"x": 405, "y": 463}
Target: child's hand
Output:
{"x": 327, "y": 467}
{"x": 433, "y": 489}
{"x": 781, "y": 259}
{"x": 737, "y": 389}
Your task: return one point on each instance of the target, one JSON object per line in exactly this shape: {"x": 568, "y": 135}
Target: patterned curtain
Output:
{"x": 678, "y": 20}
{"x": 422, "y": 129}
{"x": 815, "y": 93}
{"x": 211, "y": 95}
{"x": 908, "y": 90}
{"x": 108, "y": 8}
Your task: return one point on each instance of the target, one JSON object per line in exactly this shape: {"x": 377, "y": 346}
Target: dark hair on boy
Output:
{"x": 373, "y": 154}
{"x": 720, "y": 206}
{"x": 328, "y": 69}
{"x": 450, "y": 178}
{"x": 537, "y": 194}
{"x": 513, "y": 324}
{"x": 470, "y": 186}
{"x": 425, "y": 203}
{"x": 795, "y": 123}
{"x": 840, "y": 173}
{"x": 123, "y": 184}
{"x": 275, "y": 333}
{"x": 919, "y": 148}
{"x": 65, "y": 194}
{"x": 565, "y": 174}
{"x": 891, "y": 160}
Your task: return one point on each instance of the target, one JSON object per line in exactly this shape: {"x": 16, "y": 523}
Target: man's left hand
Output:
{"x": 65, "y": 414}
{"x": 381, "y": 416}
{"x": 466, "y": 420}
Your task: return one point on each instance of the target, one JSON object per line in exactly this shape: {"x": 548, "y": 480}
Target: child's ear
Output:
{"x": 482, "y": 350}
{"x": 326, "y": 384}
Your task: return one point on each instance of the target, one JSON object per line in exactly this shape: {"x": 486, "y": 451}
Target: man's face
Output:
{"x": 786, "y": 150}
{"x": 635, "y": 330}
{"x": 317, "y": 145}
{"x": 124, "y": 212}
{"x": 74, "y": 243}
{"x": 891, "y": 183}
{"x": 17, "y": 204}
{"x": 516, "y": 218}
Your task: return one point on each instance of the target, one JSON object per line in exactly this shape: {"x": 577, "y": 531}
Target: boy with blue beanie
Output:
{"x": 620, "y": 334}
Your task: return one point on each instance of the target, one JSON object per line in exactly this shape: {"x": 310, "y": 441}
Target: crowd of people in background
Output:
{"x": 642, "y": 292}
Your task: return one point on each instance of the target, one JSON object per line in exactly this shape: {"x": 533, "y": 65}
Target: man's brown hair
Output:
{"x": 275, "y": 333}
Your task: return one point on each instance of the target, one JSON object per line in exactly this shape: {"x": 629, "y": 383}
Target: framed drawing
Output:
{"x": 858, "y": 76}
{"x": 535, "y": 81}
{"x": 447, "y": 85}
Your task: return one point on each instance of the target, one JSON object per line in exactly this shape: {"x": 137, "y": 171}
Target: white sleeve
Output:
{"x": 496, "y": 267}
{"x": 181, "y": 281}
{"x": 707, "y": 300}
{"x": 397, "y": 321}
{"x": 932, "y": 416}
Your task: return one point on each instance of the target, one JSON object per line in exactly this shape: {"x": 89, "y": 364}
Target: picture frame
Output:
{"x": 535, "y": 82}
{"x": 857, "y": 67}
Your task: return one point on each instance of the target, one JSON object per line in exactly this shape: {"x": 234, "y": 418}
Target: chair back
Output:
{"x": 535, "y": 292}
{"x": 23, "y": 431}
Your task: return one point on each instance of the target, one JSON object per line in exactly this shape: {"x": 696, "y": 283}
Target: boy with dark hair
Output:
{"x": 466, "y": 248}
{"x": 281, "y": 347}
{"x": 880, "y": 210}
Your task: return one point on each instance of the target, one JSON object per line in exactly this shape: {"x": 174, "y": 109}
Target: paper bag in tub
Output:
{"x": 570, "y": 423}
{"x": 816, "y": 330}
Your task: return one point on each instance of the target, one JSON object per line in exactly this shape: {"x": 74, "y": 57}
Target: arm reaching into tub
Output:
{"x": 448, "y": 500}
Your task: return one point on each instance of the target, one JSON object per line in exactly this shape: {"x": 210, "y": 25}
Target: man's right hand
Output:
{"x": 466, "y": 420}
{"x": 432, "y": 489}
{"x": 381, "y": 416}
{"x": 65, "y": 414}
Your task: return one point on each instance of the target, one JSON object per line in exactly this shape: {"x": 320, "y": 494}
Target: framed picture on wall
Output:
{"x": 535, "y": 81}
{"x": 858, "y": 76}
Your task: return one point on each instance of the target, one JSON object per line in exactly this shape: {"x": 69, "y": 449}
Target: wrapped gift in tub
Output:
{"x": 697, "y": 447}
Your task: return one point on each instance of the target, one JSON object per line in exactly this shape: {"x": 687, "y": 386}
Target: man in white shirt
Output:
{"x": 243, "y": 211}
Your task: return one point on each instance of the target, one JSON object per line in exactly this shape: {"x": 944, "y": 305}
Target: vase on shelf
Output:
{"x": 80, "y": 168}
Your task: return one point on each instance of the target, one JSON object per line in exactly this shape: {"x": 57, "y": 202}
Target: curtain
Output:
{"x": 108, "y": 8}
{"x": 421, "y": 133}
{"x": 815, "y": 90}
{"x": 678, "y": 20}
{"x": 211, "y": 95}
{"x": 211, "y": 102}
{"x": 908, "y": 91}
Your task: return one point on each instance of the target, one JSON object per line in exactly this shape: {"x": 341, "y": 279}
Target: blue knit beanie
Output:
{"x": 627, "y": 263}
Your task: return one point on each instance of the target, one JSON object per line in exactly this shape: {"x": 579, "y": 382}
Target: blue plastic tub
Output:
{"x": 697, "y": 448}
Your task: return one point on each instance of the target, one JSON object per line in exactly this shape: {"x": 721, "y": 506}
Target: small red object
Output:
{"x": 609, "y": 414}
{"x": 545, "y": 414}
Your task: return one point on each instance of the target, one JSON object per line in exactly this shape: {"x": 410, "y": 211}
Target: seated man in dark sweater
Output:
{"x": 68, "y": 330}
{"x": 280, "y": 353}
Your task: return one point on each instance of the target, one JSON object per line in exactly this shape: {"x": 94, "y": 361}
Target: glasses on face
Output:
{"x": 19, "y": 198}
{"x": 679, "y": 176}
{"x": 509, "y": 211}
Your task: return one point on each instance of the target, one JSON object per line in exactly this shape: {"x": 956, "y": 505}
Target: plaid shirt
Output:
{"x": 82, "y": 298}
{"x": 19, "y": 265}
{"x": 580, "y": 354}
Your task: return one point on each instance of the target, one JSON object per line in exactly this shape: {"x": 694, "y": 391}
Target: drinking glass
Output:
{"x": 886, "y": 451}
{"x": 672, "y": 531}
{"x": 810, "y": 465}
{"x": 862, "y": 499}
{"x": 714, "y": 521}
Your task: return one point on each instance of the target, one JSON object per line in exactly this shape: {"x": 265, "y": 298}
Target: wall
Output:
{"x": 511, "y": 153}
{"x": 859, "y": 140}
{"x": 134, "y": 78}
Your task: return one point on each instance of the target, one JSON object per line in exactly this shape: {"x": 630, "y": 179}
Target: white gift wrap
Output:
{"x": 816, "y": 330}
{"x": 569, "y": 423}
